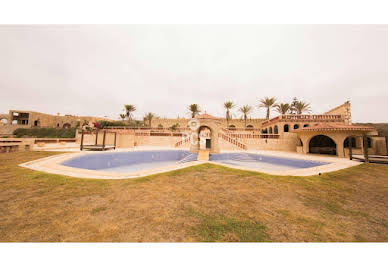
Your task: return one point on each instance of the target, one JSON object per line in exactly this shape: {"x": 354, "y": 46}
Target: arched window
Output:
{"x": 249, "y": 127}
{"x": 306, "y": 125}
{"x": 264, "y": 131}
{"x": 232, "y": 127}
{"x": 285, "y": 128}
{"x": 296, "y": 126}
{"x": 322, "y": 144}
{"x": 275, "y": 130}
{"x": 270, "y": 130}
{"x": 66, "y": 125}
{"x": 58, "y": 125}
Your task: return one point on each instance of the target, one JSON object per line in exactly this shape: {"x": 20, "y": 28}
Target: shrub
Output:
{"x": 45, "y": 132}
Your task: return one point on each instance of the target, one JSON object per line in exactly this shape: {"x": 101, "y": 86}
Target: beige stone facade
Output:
{"x": 28, "y": 119}
{"x": 327, "y": 133}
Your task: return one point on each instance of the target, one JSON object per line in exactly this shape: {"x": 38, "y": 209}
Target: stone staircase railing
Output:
{"x": 233, "y": 141}
{"x": 183, "y": 141}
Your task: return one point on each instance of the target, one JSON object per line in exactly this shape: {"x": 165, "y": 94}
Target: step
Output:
{"x": 203, "y": 155}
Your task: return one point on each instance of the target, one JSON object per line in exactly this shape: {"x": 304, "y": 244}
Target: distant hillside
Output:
{"x": 382, "y": 128}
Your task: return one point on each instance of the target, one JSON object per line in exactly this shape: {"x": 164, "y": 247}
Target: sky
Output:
{"x": 96, "y": 69}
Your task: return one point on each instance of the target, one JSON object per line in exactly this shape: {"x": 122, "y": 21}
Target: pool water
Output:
{"x": 130, "y": 161}
{"x": 263, "y": 162}
{"x": 133, "y": 161}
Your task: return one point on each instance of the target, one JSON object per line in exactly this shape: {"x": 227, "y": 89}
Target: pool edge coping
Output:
{"x": 52, "y": 164}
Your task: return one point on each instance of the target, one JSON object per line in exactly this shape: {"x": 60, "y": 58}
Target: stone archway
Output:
{"x": 322, "y": 144}
{"x": 198, "y": 124}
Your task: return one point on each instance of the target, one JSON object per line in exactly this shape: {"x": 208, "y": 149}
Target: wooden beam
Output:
{"x": 115, "y": 141}
{"x": 96, "y": 137}
{"x": 82, "y": 140}
{"x": 350, "y": 147}
{"x": 365, "y": 148}
{"x": 103, "y": 140}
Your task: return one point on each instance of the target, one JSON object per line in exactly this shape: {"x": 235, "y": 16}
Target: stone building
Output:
{"x": 330, "y": 133}
{"x": 29, "y": 119}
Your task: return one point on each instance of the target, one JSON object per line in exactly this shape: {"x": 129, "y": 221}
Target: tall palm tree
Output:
{"x": 282, "y": 108}
{"x": 245, "y": 110}
{"x": 194, "y": 109}
{"x": 122, "y": 116}
{"x": 267, "y": 103}
{"x": 228, "y": 105}
{"x": 148, "y": 117}
{"x": 129, "y": 109}
{"x": 302, "y": 107}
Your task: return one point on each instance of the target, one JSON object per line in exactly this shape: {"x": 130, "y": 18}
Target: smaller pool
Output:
{"x": 263, "y": 162}
{"x": 130, "y": 161}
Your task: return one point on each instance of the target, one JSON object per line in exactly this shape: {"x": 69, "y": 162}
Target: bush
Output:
{"x": 104, "y": 123}
{"x": 45, "y": 132}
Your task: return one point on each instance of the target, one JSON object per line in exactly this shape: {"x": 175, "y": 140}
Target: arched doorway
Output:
{"x": 204, "y": 138}
{"x": 285, "y": 128}
{"x": 211, "y": 127}
{"x": 66, "y": 125}
{"x": 270, "y": 130}
{"x": 249, "y": 127}
{"x": 264, "y": 131}
{"x": 275, "y": 130}
{"x": 232, "y": 127}
{"x": 321, "y": 144}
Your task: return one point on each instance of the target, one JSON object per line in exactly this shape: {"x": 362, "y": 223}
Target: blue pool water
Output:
{"x": 263, "y": 162}
{"x": 130, "y": 161}
{"x": 145, "y": 160}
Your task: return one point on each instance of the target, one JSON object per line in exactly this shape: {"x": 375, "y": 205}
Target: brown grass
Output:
{"x": 201, "y": 203}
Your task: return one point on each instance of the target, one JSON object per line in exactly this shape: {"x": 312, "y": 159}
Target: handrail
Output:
{"x": 233, "y": 141}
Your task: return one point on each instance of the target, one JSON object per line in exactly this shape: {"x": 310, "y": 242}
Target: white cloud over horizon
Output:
{"x": 96, "y": 69}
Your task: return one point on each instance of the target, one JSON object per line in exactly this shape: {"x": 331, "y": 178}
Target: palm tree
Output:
{"x": 122, "y": 116}
{"x": 301, "y": 107}
{"x": 245, "y": 110}
{"x": 129, "y": 109}
{"x": 267, "y": 103}
{"x": 148, "y": 117}
{"x": 282, "y": 108}
{"x": 228, "y": 105}
{"x": 194, "y": 109}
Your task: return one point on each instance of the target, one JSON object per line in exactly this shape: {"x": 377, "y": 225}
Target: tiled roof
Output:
{"x": 205, "y": 116}
{"x": 335, "y": 127}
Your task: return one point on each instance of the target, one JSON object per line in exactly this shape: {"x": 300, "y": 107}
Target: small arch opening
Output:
{"x": 322, "y": 144}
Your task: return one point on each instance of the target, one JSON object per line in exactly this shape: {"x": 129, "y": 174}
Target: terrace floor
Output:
{"x": 201, "y": 203}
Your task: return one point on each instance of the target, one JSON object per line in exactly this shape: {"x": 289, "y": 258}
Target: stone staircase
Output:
{"x": 233, "y": 141}
{"x": 203, "y": 155}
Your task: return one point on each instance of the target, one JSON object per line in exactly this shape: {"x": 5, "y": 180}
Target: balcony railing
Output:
{"x": 304, "y": 118}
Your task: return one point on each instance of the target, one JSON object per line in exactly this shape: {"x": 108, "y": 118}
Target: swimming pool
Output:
{"x": 133, "y": 161}
{"x": 263, "y": 162}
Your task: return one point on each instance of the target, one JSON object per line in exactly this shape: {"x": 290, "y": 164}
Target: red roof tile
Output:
{"x": 205, "y": 116}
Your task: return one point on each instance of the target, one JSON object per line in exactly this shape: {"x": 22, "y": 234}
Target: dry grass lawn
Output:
{"x": 201, "y": 203}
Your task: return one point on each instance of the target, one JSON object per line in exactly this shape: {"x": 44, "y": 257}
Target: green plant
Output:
{"x": 267, "y": 103}
{"x": 45, "y": 132}
{"x": 228, "y": 105}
